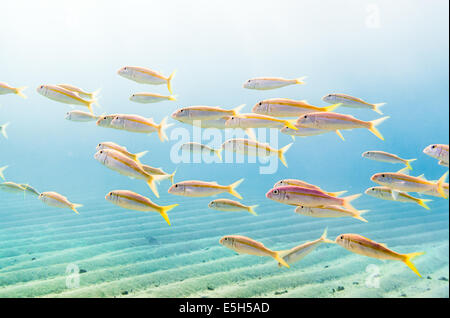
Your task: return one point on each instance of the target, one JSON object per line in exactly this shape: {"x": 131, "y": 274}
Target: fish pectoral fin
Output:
{"x": 394, "y": 194}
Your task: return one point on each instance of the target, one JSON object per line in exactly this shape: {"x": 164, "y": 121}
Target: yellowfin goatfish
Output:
{"x": 146, "y": 76}
{"x": 2, "y": 169}
{"x": 6, "y": 89}
{"x": 80, "y": 116}
{"x": 58, "y": 201}
{"x": 265, "y": 83}
{"x": 65, "y": 96}
{"x": 246, "y": 245}
{"x": 336, "y": 122}
{"x": 204, "y": 113}
{"x": 330, "y": 212}
{"x": 439, "y": 152}
{"x": 147, "y": 98}
{"x": 12, "y": 187}
{"x": 121, "y": 149}
{"x": 385, "y": 193}
{"x": 251, "y": 120}
{"x": 294, "y": 195}
{"x": 134, "y": 201}
{"x": 387, "y": 157}
{"x": 227, "y": 205}
{"x": 139, "y": 124}
{"x": 196, "y": 147}
{"x": 126, "y": 166}
{"x": 300, "y": 183}
{"x": 159, "y": 172}
{"x": 361, "y": 245}
{"x": 105, "y": 120}
{"x": 30, "y": 189}
{"x": 297, "y": 253}
{"x": 255, "y": 148}
{"x": 3, "y": 130}
{"x": 402, "y": 182}
{"x": 195, "y": 188}
{"x": 353, "y": 102}
{"x": 83, "y": 94}
{"x": 283, "y": 107}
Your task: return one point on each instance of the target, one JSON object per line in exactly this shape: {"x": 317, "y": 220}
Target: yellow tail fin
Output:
{"x": 152, "y": 185}
{"x": 281, "y": 153}
{"x": 250, "y": 133}
{"x": 218, "y": 153}
{"x": 359, "y": 217}
{"x": 173, "y": 97}
{"x": 232, "y": 188}
{"x": 324, "y": 237}
{"x": 171, "y": 176}
{"x": 376, "y": 108}
{"x": 300, "y": 80}
{"x": 165, "y": 209}
{"x": 140, "y": 155}
{"x": 1, "y": 172}
{"x": 331, "y": 107}
{"x": 169, "y": 82}
{"x": 373, "y": 126}
{"x": 407, "y": 261}
{"x": 422, "y": 203}
{"x": 408, "y": 163}
{"x": 3, "y": 130}
{"x": 75, "y": 206}
{"x": 347, "y": 200}
{"x": 290, "y": 124}
{"x": 162, "y": 129}
{"x": 238, "y": 109}
{"x": 19, "y": 91}
{"x": 439, "y": 184}
{"x": 280, "y": 259}
{"x": 252, "y": 208}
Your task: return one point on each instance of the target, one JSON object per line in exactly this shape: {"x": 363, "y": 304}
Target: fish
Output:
{"x": 131, "y": 200}
{"x": 246, "y": 245}
{"x": 12, "y": 187}
{"x": 227, "y": 205}
{"x": 80, "y": 116}
{"x": 159, "y": 172}
{"x": 192, "y": 113}
{"x": 121, "y": 149}
{"x": 196, "y": 188}
{"x": 361, "y": 245}
{"x": 284, "y": 107}
{"x": 147, "y": 98}
{"x": 144, "y": 75}
{"x": 58, "y": 201}
{"x": 126, "y": 166}
{"x": 30, "y": 189}
{"x": 297, "y": 253}
{"x": 352, "y": 102}
{"x": 254, "y": 148}
{"x": 139, "y": 124}
{"x": 196, "y": 147}
{"x": 337, "y": 122}
{"x": 7, "y": 89}
{"x": 438, "y": 151}
{"x": 330, "y": 211}
{"x": 387, "y": 157}
{"x": 294, "y": 195}
{"x": 65, "y": 96}
{"x": 105, "y": 121}
{"x": 2, "y": 169}
{"x": 83, "y": 94}
{"x": 385, "y": 193}
{"x": 400, "y": 181}
{"x": 3, "y": 130}
{"x": 251, "y": 120}
{"x": 300, "y": 183}
{"x": 434, "y": 192}
{"x": 266, "y": 83}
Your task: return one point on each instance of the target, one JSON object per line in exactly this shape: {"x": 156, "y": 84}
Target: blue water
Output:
{"x": 402, "y": 60}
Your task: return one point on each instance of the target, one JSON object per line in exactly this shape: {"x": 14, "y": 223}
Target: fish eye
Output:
{"x": 101, "y": 151}
{"x": 382, "y": 175}
{"x": 248, "y": 81}
{"x": 176, "y": 186}
{"x": 342, "y": 237}
{"x": 306, "y": 116}
{"x": 275, "y": 191}
{"x": 42, "y": 86}
{"x": 434, "y": 146}
{"x": 260, "y": 103}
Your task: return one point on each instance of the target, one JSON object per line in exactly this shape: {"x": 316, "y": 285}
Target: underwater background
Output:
{"x": 382, "y": 51}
